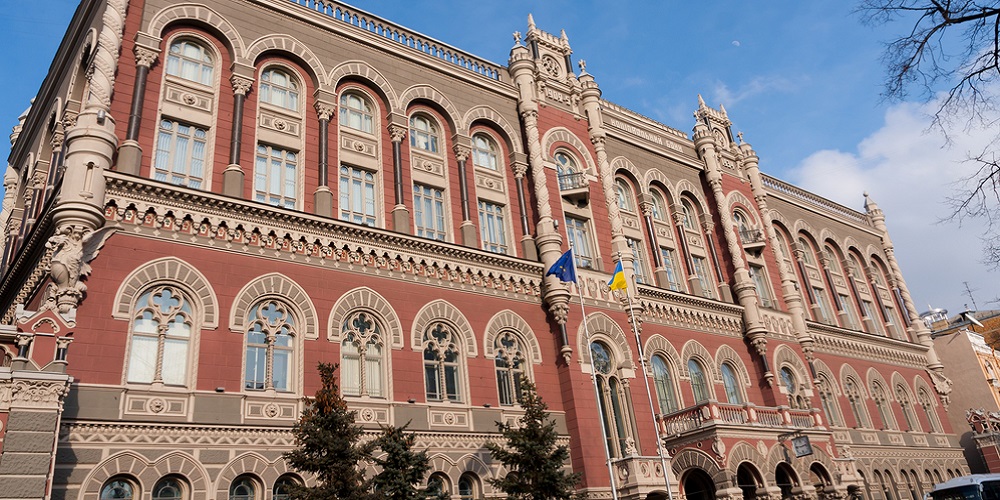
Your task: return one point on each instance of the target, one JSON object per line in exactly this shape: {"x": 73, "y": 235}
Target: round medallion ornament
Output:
{"x": 157, "y": 405}
{"x": 271, "y": 410}
{"x": 550, "y": 65}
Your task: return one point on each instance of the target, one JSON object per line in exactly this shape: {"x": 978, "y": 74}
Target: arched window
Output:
{"x": 613, "y": 403}
{"x": 118, "y": 488}
{"x": 243, "y": 488}
{"x": 441, "y": 363}
{"x": 191, "y": 61}
{"x": 168, "y": 488}
{"x": 356, "y": 112}
{"x": 283, "y": 487}
{"x": 468, "y": 486}
{"x": 565, "y": 164}
{"x": 789, "y": 382}
{"x": 162, "y": 325}
{"x": 732, "y": 387}
{"x": 361, "y": 356}
{"x": 927, "y": 404}
{"x": 912, "y": 424}
{"x": 664, "y": 384}
{"x": 882, "y": 405}
{"x": 509, "y": 366}
{"x": 659, "y": 208}
{"x": 807, "y": 252}
{"x": 699, "y": 384}
{"x": 438, "y": 483}
{"x": 423, "y": 133}
{"x": 857, "y": 404}
{"x": 741, "y": 223}
{"x": 269, "y": 347}
{"x": 624, "y": 192}
{"x": 689, "y": 215}
{"x": 829, "y": 400}
{"x": 279, "y": 88}
{"x": 484, "y": 152}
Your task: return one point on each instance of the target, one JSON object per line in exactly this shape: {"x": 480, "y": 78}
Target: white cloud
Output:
{"x": 910, "y": 171}
{"x": 758, "y": 85}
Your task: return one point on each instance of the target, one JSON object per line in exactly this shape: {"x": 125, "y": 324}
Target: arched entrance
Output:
{"x": 748, "y": 480}
{"x": 698, "y": 485}
{"x": 785, "y": 478}
{"x": 820, "y": 478}
{"x": 657, "y": 495}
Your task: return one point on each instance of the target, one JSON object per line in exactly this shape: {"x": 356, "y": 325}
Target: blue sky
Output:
{"x": 802, "y": 80}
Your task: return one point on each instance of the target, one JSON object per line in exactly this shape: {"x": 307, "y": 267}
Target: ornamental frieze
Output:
{"x": 35, "y": 394}
{"x": 869, "y": 349}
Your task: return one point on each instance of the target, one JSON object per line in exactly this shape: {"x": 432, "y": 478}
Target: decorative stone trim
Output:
{"x": 441, "y": 310}
{"x": 509, "y": 320}
{"x": 277, "y": 286}
{"x": 371, "y": 301}
{"x": 173, "y": 271}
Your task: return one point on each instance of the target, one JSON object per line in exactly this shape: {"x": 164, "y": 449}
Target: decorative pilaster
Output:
{"x": 789, "y": 285}
{"x": 130, "y": 153}
{"x": 400, "y": 215}
{"x": 548, "y": 239}
{"x": 467, "y": 230}
{"x": 233, "y": 176}
{"x": 746, "y": 293}
{"x": 323, "y": 197}
{"x": 519, "y": 165}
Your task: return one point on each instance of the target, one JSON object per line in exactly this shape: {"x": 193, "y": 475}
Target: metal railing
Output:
{"x": 572, "y": 180}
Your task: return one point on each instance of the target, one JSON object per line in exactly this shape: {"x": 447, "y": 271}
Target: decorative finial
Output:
{"x": 583, "y": 66}
{"x": 722, "y": 109}
{"x": 517, "y": 38}
{"x": 701, "y": 102}
{"x": 739, "y": 135}
{"x": 562, "y": 35}
{"x": 531, "y": 22}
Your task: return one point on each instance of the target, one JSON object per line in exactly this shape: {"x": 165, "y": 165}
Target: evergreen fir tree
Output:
{"x": 531, "y": 455}
{"x": 329, "y": 445}
{"x": 403, "y": 469}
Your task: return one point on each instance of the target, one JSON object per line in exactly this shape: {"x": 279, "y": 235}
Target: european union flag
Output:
{"x": 564, "y": 268}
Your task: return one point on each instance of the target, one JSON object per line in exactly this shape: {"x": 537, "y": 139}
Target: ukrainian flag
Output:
{"x": 618, "y": 279}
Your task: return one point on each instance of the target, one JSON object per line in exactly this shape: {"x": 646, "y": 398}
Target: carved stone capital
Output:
{"x": 560, "y": 312}
{"x": 145, "y": 56}
{"x": 23, "y": 339}
{"x": 647, "y": 208}
{"x": 529, "y": 115}
{"x": 325, "y": 110}
{"x": 63, "y": 342}
{"x": 241, "y": 84}
{"x": 519, "y": 168}
{"x": 397, "y": 132}
{"x": 462, "y": 152}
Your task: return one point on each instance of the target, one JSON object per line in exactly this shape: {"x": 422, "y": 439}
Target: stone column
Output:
{"x": 130, "y": 154}
{"x": 467, "y": 230}
{"x": 233, "y": 176}
{"x": 725, "y": 293}
{"x": 400, "y": 215}
{"x": 694, "y": 283}
{"x": 519, "y": 165}
{"x": 549, "y": 240}
{"x": 659, "y": 273}
{"x": 746, "y": 293}
{"x": 323, "y": 197}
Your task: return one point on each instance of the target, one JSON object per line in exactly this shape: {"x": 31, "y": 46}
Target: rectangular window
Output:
{"x": 826, "y": 316}
{"x": 870, "y": 312}
{"x": 638, "y": 252}
{"x": 275, "y": 181}
{"x": 852, "y": 319}
{"x": 357, "y": 195}
{"x": 701, "y": 271}
{"x": 757, "y": 275}
{"x": 180, "y": 154}
{"x": 579, "y": 238}
{"x": 428, "y": 212}
{"x": 491, "y": 227}
{"x": 674, "y": 281}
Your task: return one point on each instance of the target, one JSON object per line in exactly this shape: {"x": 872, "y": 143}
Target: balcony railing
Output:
{"x": 751, "y": 236}
{"x": 572, "y": 180}
{"x": 712, "y": 413}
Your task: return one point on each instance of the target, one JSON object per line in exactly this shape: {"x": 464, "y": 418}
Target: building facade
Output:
{"x": 208, "y": 198}
{"x": 966, "y": 344}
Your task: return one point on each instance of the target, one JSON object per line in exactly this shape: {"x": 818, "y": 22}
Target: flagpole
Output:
{"x": 649, "y": 394}
{"x": 593, "y": 379}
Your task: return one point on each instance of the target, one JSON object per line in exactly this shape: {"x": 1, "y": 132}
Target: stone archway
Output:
{"x": 698, "y": 485}
{"x": 749, "y": 481}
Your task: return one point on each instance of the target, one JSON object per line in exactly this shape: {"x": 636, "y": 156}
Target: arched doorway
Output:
{"x": 748, "y": 480}
{"x": 657, "y": 495}
{"x": 698, "y": 485}
{"x": 785, "y": 478}
{"x": 820, "y": 478}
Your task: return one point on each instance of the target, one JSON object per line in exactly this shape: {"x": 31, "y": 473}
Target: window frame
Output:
{"x": 365, "y": 114}
{"x": 364, "y": 339}
{"x": 161, "y": 336}
{"x": 493, "y": 226}
{"x": 580, "y": 239}
{"x": 515, "y": 366}
{"x": 263, "y": 180}
{"x": 289, "y": 320}
{"x": 615, "y": 401}
{"x": 358, "y": 185}
{"x": 491, "y": 152}
{"x": 427, "y": 197}
{"x": 122, "y": 481}
{"x": 208, "y": 51}
{"x": 440, "y": 364}
{"x": 700, "y": 387}
{"x": 194, "y": 164}
{"x": 730, "y": 381}
{"x": 663, "y": 384}
{"x": 293, "y": 88}
{"x": 639, "y": 268}
{"x": 427, "y": 134}
{"x": 624, "y": 195}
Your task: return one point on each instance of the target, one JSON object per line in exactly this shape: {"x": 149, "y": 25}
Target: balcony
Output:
{"x": 712, "y": 414}
{"x": 753, "y": 240}
{"x": 575, "y": 188}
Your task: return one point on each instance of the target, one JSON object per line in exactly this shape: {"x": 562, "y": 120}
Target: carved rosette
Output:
{"x": 241, "y": 84}
{"x": 145, "y": 56}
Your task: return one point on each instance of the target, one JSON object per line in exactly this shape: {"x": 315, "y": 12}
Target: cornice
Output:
{"x": 157, "y": 210}
{"x": 680, "y": 310}
{"x": 861, "y": 345}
